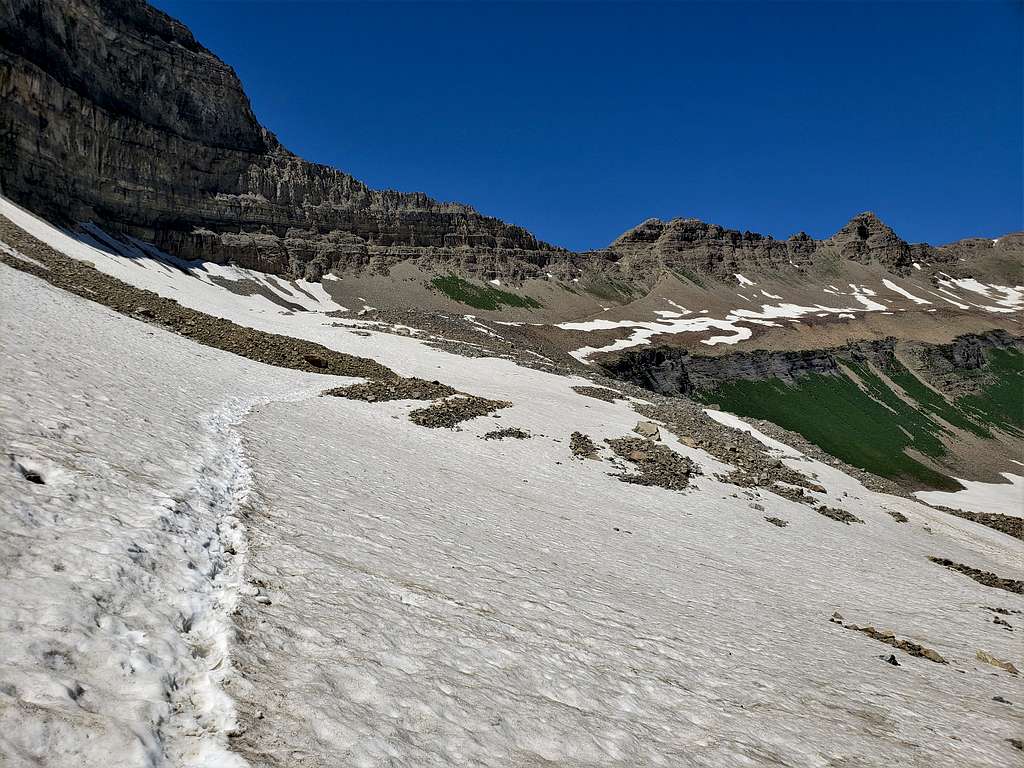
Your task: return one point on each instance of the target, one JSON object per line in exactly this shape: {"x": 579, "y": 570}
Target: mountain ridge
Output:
{"x": 114, "y": 113}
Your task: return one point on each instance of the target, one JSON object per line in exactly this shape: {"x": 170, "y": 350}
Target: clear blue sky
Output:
{"x": 579, "y": 120}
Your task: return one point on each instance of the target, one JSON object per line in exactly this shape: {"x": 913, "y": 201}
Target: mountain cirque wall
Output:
{"x": 919, "y": 414}
{"x": 675, "y": 371}
{"x": 112, "y": 112}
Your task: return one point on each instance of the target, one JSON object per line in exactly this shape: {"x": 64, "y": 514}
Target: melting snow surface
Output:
{"x": 1005, "y": 498}
{"x": 142, "y": 265}
{"x": 736, "y": 322}
{"x": 904, "y": 292}
{"x": 428, "y": 598}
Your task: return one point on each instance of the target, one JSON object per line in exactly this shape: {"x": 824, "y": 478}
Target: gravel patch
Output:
{"x": 383, "y": 390}
{"x": 657, "y": 465}
{"x": 452, "y": 412}
{"x": 840, "y": 515}
{"x": 608, "y": 395}
{"x": 982, "y": 577}
{"x": 907, "y": 646}
{"x": 510, "y": 432}
{"x": 582, "y": 447}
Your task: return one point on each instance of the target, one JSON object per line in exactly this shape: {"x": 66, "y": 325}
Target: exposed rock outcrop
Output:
{"x": 691, "y": 248}
{"x": 112, "y": 112}
{"x": 675, "y": 371}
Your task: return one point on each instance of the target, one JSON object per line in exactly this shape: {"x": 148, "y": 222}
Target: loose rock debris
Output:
{"x": 582, "y": 447}
{"x": 601, "y": 393}
{"x": 383, "y": 390}
{"x": 658, "y": 465}
{"x": 982, "y": 577}
{"x": 838, "y": 514}
{"x": 512, "y": 432}
{"x": 889, "y": 638}
{"x": 449, "y": 413}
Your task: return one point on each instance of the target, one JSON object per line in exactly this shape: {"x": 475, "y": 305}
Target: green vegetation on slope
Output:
{"x": 839, "y": 417}
{"x": 932, "y": 401}
{"x": 1001, "y": 402}
{"x": 872, "y": 426}
{"x": 481, "y": 296}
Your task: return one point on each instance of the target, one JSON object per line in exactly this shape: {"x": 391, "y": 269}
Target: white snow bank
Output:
{"x": 1003, "y": 498}
{"x": 1007, "y": 298}
{"x": 904, "y": 292}
{"x": 436, "y": 599}
{"x": 142, "y": 265}
{"x": 736, "y": 322}
{"x": 119, "y": 569}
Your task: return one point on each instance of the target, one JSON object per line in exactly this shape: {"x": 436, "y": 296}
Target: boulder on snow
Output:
{"x": 647, "y": 429}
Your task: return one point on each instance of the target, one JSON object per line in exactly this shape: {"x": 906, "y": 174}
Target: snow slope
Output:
{"x": 215, "y": 550}
{"x": 116, "y": 577}
{"x": 1006, "y": 498}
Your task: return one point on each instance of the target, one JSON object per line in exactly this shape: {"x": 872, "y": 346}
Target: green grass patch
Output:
{"x": 931, "y": 401}
{"x": 1001, "y": 401}
{"x": 847, "y": 422}
{"x": 872, "y": 426}
{"x": 608, "y": 289}
{"x": 481, "y": 296}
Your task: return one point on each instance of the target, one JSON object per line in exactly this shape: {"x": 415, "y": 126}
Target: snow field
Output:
{"x": 434, "y": 598}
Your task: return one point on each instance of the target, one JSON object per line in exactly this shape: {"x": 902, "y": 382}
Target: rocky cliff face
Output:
{"x": 692, "y": 246}
{"x": 674, "y": 371}
{"x": 112, "y": 112}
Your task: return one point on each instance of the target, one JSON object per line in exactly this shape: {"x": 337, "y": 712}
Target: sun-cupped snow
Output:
{"x": 417, "y": 597}
{"x": 122, "y": 543}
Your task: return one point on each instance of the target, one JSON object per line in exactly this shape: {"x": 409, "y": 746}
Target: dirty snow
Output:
{"x": 432, "y": 599}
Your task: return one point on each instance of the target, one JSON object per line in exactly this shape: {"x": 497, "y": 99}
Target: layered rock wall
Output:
{"x": 674, "y": 371}
{"x": 112, "y": 112}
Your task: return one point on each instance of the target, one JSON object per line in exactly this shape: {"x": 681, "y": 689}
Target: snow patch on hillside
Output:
{"x": 1004, "y": 498}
